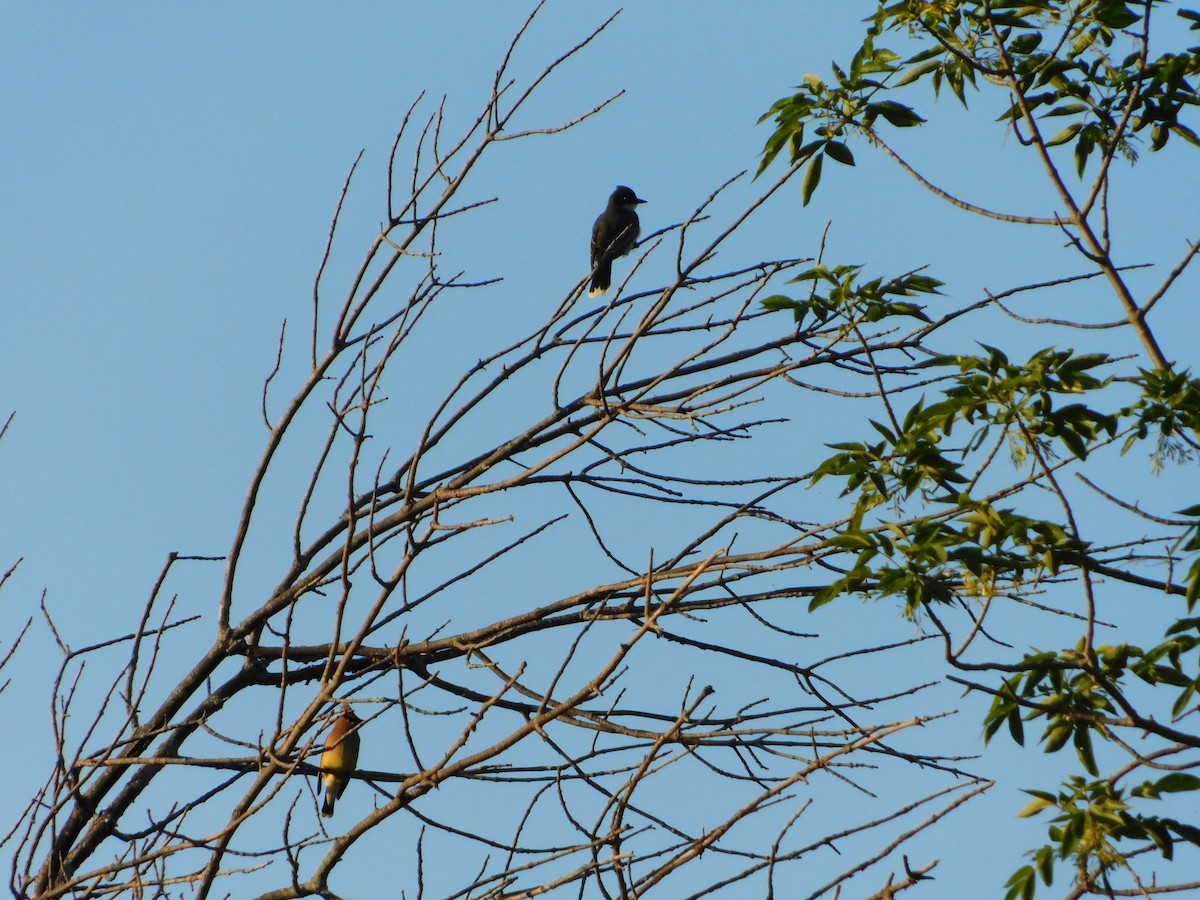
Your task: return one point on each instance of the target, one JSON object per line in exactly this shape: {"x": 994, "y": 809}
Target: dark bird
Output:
{"x": 339, "y": 759}
{"x": 613, "y": 235}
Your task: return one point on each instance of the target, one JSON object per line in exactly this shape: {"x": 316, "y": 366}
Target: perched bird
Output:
{"x": 339, "y": 759}
{"x": 613, "y": 235}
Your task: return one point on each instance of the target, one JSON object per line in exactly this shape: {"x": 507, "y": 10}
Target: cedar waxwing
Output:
{"x": 339, "y": 759}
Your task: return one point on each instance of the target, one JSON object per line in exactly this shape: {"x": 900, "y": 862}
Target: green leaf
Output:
{"x": 814, "y": 274}
{"x": 1021, "y": 885}
{"x": 917, "y": 72}
{"x": 1016, "y": 728}
{"x": 1157, "y": 830}
{"x": 1177, "y": 782}
{"x": 924, "y": 284}
{"x": 801, "y": 154}
{"x": 1186, "y": 133}
{"x": 1116, "y": 14}
{"x": 1067, "y": 109}
{"x": 1065, "y": 135}
{"x": 1035, "y": 806}
{"x": 896, "y": 114}
{"x": 1187, "y": 832}
{"x": 1057, "y": 735}
{"x": 1083, "y": 747}
{"x": 839, "y": 152}
{"x": 1045, "y": 865}
{"x": 1074, "y": 444}
{"x": 779, "y": 301}
{"x": 1083, "y": 149}
{"x": 811, "y": 179}
{"x": 852, "y": 540}
{"x": 1158, "y": 137}
{"x": 1184, "y": 625}
{"x": 827, "y": 594}
{"x": 1025, "y": 43}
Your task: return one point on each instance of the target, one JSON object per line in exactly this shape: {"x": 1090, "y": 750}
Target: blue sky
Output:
{"x": 167, "y": 177}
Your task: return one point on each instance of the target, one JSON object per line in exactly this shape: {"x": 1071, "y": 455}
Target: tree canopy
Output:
{"x": 930, "y": 526}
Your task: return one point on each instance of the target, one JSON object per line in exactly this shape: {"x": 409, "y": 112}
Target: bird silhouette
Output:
{"x": 614, "y": 234}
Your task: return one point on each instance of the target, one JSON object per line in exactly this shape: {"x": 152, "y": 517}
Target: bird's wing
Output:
{"x": 598, "y": 240}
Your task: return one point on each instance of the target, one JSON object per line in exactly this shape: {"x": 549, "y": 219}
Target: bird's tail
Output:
{"x": 327, "y": 804}
{"x": 602, "y": 279}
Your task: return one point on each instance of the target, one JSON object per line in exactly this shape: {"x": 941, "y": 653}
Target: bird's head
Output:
{"x": 624, "y": 196}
